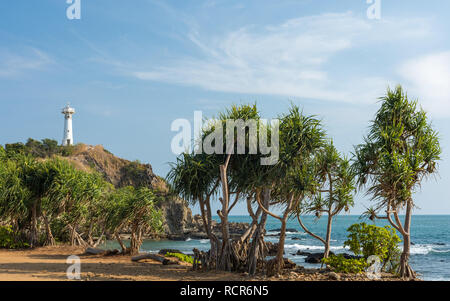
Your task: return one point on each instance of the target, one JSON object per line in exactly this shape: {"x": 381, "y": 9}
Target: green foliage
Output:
{"x": 9, "y": 239}
{"x": 182, "y": 257}
{"x": 39, "y": 149}
{"x": 400, "y": 151}
{"x": 134, "y": 172}
{"x": 340, "y": 264}
{"x": 34, "y": 192}
{"x": 367, "y": 240}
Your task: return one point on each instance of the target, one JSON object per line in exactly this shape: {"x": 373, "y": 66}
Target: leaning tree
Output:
{"x": 400, "y": 151}
{"x": 333, "y": 191}
{"x": 300, "y": 137}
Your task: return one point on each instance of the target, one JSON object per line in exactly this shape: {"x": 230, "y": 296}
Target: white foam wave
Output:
{"x": 308, "y": 247}
{"x": 424, "y": 249}
{"x": 204, "y": 241}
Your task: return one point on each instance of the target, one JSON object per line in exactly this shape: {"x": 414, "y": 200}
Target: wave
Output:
{"x": 308, "y": 247}
{"x": 424, "y": 249}
{"x": 204, "y": 241}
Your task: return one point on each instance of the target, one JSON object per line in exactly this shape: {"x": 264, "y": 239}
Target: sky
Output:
{"x": 130, "y": 68}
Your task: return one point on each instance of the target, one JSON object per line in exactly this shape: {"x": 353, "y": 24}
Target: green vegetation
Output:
{"x": 44, "y": 199}
{"x": 331, "y": 190}
{"x": 311, "y": 176}
{"x": 340, "y": 264}
{"x": 9, "y": 239}
{"x": 400, "y": 151}
{"x": 38, "y": 149}
{"x": 368, "y": 240}
{"x": 182, "y": 257}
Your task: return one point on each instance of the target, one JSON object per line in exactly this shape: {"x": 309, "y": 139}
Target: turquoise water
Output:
{"x": 430, "y": 254}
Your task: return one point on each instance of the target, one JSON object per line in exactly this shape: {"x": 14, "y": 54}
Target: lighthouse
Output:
{"x": 68, "y": 133}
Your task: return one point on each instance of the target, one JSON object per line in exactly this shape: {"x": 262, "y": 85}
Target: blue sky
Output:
{"x": 131, "y": 68}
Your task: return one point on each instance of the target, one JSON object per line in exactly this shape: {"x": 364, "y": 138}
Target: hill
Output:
{"x": 119, "y": 172}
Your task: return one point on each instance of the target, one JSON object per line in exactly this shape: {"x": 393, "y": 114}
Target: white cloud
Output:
{"x": 428, "y": 78}
{"x": 13, "y": 64}
{"x": 290, "y": 59}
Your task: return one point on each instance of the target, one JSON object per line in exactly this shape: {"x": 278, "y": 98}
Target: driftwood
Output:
{"x": 162, "y": 259}
{"x": 94, "y": 251}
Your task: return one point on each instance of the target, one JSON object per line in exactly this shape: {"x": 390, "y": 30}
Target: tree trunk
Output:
{"x": 280, "y": 251}
{"x": 136, "y": 240}
{"x": 50, "y": 239}
{"x": 405, "y": 270}
{"x": 207, "y": 221}
{"x": 33, "y": 230}
{"x": 257, "y": 251}
{"x": 326, "y": 253}
{"x": 122, "y": 245}
{"x": 225, "y": 252}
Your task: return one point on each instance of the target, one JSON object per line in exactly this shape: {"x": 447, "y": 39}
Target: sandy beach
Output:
{"x": 49, "y": 264}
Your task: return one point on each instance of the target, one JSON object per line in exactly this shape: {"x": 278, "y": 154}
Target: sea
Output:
{"x": 430, "y": 236}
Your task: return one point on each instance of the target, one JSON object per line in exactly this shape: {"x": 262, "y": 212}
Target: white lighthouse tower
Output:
{"x": 68, "y": 133}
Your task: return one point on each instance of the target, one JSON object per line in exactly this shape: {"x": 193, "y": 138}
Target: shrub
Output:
{"x": 340, "y": 264}
{"x": 9, "y": 239}
{"x": 182, "y": 257}
{"x": 367, "y": 240}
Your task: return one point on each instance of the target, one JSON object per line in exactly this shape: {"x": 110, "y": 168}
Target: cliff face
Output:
{"x": 120, "y": 172}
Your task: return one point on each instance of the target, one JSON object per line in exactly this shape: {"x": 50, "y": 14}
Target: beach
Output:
{"x": 49, "y": 264}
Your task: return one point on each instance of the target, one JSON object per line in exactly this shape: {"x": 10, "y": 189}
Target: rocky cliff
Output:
{"x": 120, "y": 172}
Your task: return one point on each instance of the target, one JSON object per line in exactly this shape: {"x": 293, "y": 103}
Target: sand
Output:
{"x": 49, "y": 264}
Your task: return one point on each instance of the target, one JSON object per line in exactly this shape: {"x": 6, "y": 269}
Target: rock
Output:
{"x": 334, "y": 276}
{"x": 272, "y": 248}
{"x": 289, "y": 264}
{"x": 349, "y": 256}
{"x": 176, "y": 237}
{"x": 296, "y": 238}
{"x": 165, "y": 251}
{"x": 287, "y": 230}
{"x": 302, "y": 253}
{"x": 198, "y": 235}
{"x": 315, "y": 257}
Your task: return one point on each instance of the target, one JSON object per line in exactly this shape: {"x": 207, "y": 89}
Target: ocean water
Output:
{"x": 430, "y": 234}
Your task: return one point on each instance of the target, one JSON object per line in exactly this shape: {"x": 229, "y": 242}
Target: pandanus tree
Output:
{"x": 333, "y": 191}
{"x": 13, "y": 195}
{"x": 132, "y": 209}
{"x": 143, "y": 216}
{"x": 195, "y": 178}
{"x": 300, "y": 137}
{"x": 223, "y": 170}
{"x": 400, "y": 151}
{"x": 74, "y": 196}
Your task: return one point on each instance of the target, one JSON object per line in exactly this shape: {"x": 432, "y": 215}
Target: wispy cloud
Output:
{"x": 13, "y": 65}
{"x": 290, "y": 59}
{"x": 428, "y": 78}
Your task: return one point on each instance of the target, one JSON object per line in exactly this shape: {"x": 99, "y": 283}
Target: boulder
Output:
{"x": 334, "y": 276}
{"x": 315, "y": 257}
{"x": 165, "y": 251}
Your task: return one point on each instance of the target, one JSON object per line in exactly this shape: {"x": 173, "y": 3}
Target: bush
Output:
{"x": 367, "y": 240}
{"x": 339, "y": 264}
{"x": 9, "y": 239}
{"x": 182, "y": 257}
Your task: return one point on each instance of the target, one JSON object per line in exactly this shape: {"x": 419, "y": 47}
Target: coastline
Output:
{"x": 49, "y": 264}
